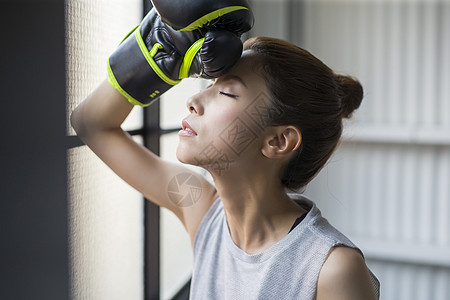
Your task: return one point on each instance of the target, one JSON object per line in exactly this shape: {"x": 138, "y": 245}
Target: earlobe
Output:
{"x": 284, "y": 141}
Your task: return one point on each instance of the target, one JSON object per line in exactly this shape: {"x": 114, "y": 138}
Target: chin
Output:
{"x": 181, "y": 155}
{"x": 185, "y": 156}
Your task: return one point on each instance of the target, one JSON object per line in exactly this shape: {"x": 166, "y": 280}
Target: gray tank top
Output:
{"x": 288, "y": 269}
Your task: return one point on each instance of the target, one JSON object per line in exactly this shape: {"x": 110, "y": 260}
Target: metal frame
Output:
{"x": 152, "y": 256}
{"x": 152, "y": 134}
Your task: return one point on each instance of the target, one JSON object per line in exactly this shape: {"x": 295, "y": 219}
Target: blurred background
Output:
{"x": 73, "y": 229}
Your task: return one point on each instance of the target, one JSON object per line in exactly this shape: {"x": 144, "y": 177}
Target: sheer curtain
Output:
{"x": 105, "y": 214}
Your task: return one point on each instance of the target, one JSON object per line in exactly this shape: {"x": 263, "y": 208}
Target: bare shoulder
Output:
{"x": 344, "y": 275}
{"x": 183, "y": 191}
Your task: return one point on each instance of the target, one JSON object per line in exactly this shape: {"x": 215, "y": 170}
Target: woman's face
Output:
{"x": 226, "y": 120}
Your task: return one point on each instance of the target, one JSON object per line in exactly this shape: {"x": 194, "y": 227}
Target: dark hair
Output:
{"x": 308, "y": 95}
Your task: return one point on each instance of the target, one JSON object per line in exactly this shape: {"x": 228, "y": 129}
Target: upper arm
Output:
{"x": 97, "y": 122}
{"x": 344, "y": 275}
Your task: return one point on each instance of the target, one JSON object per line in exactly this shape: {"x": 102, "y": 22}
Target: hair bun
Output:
{"x": 351, "y": 94}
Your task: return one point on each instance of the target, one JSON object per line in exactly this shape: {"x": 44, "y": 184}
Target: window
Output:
{"x": 114, "y": 234}
{"x": 176, "y": 251}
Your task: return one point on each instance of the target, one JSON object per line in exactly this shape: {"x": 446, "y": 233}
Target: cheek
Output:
{"x": 248, "y": 121}
{"x": 220, "y": 118}
{"x": 224, "y": 119}
{"x": 225, "y": 113}
{"x": 234, "y": 132}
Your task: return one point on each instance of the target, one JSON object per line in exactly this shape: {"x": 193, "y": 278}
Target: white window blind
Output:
{"x": 387, "y": 186}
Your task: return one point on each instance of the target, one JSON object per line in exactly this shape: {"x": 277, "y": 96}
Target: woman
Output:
{"x": 267, "y": 126}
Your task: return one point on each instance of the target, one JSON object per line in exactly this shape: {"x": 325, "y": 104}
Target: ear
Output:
{"x": 282, "y": 141}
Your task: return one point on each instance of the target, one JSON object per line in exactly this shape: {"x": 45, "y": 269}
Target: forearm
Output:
{"x": 104, "y": 109}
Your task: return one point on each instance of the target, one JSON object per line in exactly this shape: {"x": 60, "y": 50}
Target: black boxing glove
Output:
{"x": 231, "y": 15}
{"x": 154, "y": 57}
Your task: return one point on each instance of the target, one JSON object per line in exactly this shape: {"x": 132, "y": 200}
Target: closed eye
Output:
{"x": 228, "y": 94}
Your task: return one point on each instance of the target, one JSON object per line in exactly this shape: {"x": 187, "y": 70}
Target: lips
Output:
{"x": 187, "y": 129}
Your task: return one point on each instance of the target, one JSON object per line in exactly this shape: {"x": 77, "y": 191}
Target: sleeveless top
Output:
{"x": 289, "y": 269}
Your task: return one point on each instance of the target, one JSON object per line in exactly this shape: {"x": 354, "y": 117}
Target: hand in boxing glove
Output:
{"x": 155, "y": 56}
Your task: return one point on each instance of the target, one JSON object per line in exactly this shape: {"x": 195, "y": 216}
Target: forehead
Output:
{"x": 246, "y": 63}
{"x": 246, "y": 69}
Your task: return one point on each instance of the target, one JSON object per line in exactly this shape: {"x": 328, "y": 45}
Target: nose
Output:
{"x": 194, "y": 104}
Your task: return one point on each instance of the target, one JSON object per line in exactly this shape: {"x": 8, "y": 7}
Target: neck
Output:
{"x": 259, "y": 213}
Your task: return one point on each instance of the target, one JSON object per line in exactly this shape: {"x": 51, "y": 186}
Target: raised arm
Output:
{"x": 97, "y": 121}
{"x": 149, "y": 61}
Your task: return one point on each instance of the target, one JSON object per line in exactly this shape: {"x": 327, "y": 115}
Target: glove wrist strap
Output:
{"x": 189, "y": 58}
{"x": 132, "y": 68}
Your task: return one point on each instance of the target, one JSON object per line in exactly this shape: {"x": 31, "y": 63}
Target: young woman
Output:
{"x": 264, "y": 128}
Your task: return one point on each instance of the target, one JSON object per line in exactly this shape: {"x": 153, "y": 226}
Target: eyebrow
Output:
{"x": 233, "y": 77}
